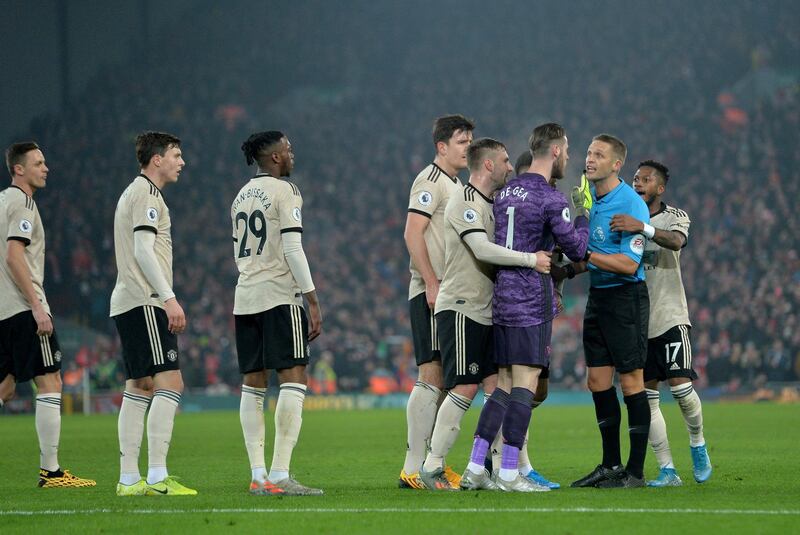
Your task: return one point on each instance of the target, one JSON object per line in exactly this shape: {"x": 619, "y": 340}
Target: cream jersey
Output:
{"x": 468, "y": 283}
{"x": 141, "y": 207}
{"x": 263, "y": 211}
{"x": 662, "y": 267}
{"x": 20, "y": 220}
{"x": 429, "y": 195}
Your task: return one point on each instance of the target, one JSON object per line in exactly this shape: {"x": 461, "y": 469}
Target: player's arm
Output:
{"x": 144, "y": 241}
{"x": 414, "y": 236}
{"x": 298, "y": 264}
{"x": 15, "y": 259}
{"x": 291, "y": 221}
{"x": 491, "y": 253}
{"x": 669, "y": 239}
{"x": 572, "y": 237}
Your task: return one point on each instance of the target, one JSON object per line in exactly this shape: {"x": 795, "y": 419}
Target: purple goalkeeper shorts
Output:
{"x": 523, "y": 345}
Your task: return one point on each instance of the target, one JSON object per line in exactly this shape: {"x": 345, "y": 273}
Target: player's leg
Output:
{"x": 250, "y": 352}
{"x": 155, "y": 354}
{"x": 489, "y": 422}
{"x": 525, "y": 466}
{"x": 137, "y": 357}
{"x": 626, "y": 329}
{"x": 39, "y": 358}
{"x": 604, "y": 395}
{"x": 680, "y": 379}
{"x": 286, "y": 350}
{"x": 423, "y": 402}
{"x": 655, "y": 371}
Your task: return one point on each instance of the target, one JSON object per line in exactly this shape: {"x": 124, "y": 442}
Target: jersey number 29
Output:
{"x": 257, "y": 225}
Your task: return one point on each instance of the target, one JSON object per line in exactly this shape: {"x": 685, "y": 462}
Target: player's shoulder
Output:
{"x": 14, "y": 196}
{"x": 142, "y": 184}
{"x": 675, "y": 212}
{"x": 431, "y": 174}
{"x": 291, "y": 188}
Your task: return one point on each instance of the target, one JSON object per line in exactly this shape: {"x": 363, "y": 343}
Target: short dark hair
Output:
{"x": 616, "y": 143}
{"x": 661, "y": 170}
{"x": 445, "y": 127}
{"x": 15, "y": 154}
{"x": 478, "y": 149}
{"x": 148, "y": 144}
{"x": 258, "y": 142}
{"x": 523, "y": 162}
{"x": 543, "y": 136}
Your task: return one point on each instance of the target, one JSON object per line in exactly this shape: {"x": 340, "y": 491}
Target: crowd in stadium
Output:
{"x": 360, "y": 140}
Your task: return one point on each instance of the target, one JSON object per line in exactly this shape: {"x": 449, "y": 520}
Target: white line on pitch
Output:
{"x": 402, "y": 510}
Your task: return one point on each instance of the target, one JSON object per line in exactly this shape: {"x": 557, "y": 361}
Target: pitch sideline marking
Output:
{"x": 402, "y": 510}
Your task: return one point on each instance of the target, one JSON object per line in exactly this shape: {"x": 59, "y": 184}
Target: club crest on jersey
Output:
{"x": 425, "y": 198}
{"x": 474, "y": 368}
{"x": 296, "y": 214}
{"x": 25, "y": 226}
{"x": 598, "y": 234}
{"x": 637, "y": 244}
{"x": 470, "y": 216}
{"x": 172, "y": 355}
{"x": 152, "y": 215}
{"x": 565, "y": 214}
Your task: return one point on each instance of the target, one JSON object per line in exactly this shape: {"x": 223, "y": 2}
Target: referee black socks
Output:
{"x": 606, "y": 408}
{"x": 638, "y": 429}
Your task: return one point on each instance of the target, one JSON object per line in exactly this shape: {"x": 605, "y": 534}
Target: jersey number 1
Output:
{"x": 257, "y": 225}
{"x": 510, "y": 232}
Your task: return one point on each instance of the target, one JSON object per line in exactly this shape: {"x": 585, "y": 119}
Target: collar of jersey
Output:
{"x": 262, "y": 175}
{"x": 452, "y": 178}
{"x": 608, "y": 196}
{"x": 144, "y": 176}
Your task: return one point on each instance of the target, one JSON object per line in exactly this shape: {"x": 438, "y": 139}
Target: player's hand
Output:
{"x": 581, "y": 198}
{"x": 431, "y": 292}
{"x": 543, "y": 260}
{"x": 314, "y": 320}
{"x": 559, "y": 273}
{"x": 44, "y": 323}
{"x": 175, "y": 315}
{"x": 626, "y": 223}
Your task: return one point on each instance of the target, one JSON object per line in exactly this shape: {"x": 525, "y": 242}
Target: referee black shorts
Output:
{"x": 275, "y": 339}
{"x": 148, "y": 347}
{"x": 467, "y": 357}
{"x": 615, "y": 327}
{"x": 23, "y": 353}
{"x": 423, "y": 330}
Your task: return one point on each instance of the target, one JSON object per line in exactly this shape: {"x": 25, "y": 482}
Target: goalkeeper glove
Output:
{"x": 582, "y": 198}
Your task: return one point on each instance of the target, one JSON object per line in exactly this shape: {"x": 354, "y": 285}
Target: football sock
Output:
{"x": 445, "y": 432}
{"x": 130, "y": 428}
{"x": 48, "y": 427}
{"x": 606, "y": 409}
{"x": 159, "y": 433}
{"x": 251, "y": 416}
{"x": 524, "y": 465}
{"x": 638, "y": 430}
{"x": 658, "y": 432}
{"x": 420, "y": 416}
{"x": 489, "y": 423}
{"x": 497, "y": 449}
{"x": 288, "y": 420}
{"x": 517, "y": 417}
{"x": 692, "y": 411}
{"x": 508, "y": 466}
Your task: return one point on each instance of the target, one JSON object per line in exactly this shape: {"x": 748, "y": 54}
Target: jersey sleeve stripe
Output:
{"x": 292, "y": 229}
{"x": 26, "y": 241}
{"x": 420, "y": 212}
{"x": 154, "y": 230}
{"x": 470, "y": 231}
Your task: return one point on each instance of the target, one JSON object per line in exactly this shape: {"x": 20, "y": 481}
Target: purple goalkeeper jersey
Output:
{"x": 531, "y": 215}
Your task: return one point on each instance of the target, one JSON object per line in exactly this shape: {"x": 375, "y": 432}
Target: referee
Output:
{"x": 617, "y": 311}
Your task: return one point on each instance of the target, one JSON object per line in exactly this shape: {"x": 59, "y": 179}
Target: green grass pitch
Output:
{"x": 356, "y": 457}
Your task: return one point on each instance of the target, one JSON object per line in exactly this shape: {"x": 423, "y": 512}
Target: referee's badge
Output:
{"x": 637, "y": 244}
{"x": 470, "y": 216}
